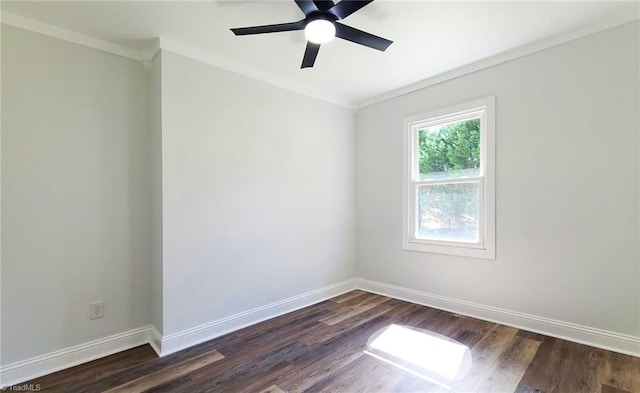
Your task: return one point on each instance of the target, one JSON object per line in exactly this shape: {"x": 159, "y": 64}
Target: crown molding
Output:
{"x": 146, "y": 55}
{"x": 21, "y": 22}
{"x": 502, "y": 58}
{"x": 248, "y": 71}
{"x": 149, "y": 53}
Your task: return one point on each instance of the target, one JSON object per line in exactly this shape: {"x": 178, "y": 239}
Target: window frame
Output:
{"x": 484, "y": 109}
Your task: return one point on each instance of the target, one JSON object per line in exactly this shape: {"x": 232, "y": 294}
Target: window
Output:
{"x": 449, "y": 180}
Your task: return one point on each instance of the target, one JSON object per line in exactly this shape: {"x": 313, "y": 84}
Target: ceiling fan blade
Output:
{"x": 361, "y": 37}
{"x": 310, "y": 55}
{"x": 269, "y": 28}
{"x": 323, "y": 5}
{"x": 346, "y": 8}
{"x": 307, "y": 6}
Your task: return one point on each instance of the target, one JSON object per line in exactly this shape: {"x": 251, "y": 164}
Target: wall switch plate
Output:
{"x": 96, "y": 309}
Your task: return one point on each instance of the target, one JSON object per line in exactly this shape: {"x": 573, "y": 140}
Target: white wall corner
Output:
{"x": 155, "y": 340}
{"x": 148, "y": 53}
{"x": 612, "y": 341}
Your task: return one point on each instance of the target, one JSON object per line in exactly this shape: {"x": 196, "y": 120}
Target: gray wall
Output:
{"x": 258, "y": 193}
{"x": 75, "y": 194}
{"x": 567, "y": 186}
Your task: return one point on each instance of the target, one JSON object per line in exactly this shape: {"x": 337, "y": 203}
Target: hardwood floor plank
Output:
{"x": 611, "y": 389}
{"x": 441, "y": 322}
{"x": 365, "y": 303}
{"x": 324, "y": 359}
{"x": 272, "y": 389}
{"x": 272, "y": 338}
{"x": 80, "y": 376}
{"x": 466, "y": 328}
{"x": 467, "y": 338}
{"x": 531, "y": 335}
{"x": 346, "y": 324}
{"x": 404, "y": 310}
{"x": 235, "y": 378}
{"x": 161, "y": 376}
{"x": 284, "y": 322}
{"x": 621, "y": 371}
{"x": 511, "y": 365}
{"x": 470, "y": 331}
{"x": 364, "y": 374}
{"x": 485, "y": 354}
{"x": 560, "y": 365}
{"x": 348, "y": 296}
{"x": 547, "y": 367}
{"x": 583, "y": 374}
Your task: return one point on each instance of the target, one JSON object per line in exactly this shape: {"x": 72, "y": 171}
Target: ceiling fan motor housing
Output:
{"x": 319, "y": 28}
{"x": 321, "y": 24}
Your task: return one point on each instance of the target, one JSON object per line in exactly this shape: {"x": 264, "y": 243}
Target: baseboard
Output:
{"x": 38, "y": 366}
{"x": 196, "y": 335}
{"x": 155, "y": 339}
{"x": 28, "y": 369}
{"x": 622, "y": 343}
{"x": 25, "y": 370}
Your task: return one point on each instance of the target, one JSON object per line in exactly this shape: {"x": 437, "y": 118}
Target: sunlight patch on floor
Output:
{"x": 426, "y": 354}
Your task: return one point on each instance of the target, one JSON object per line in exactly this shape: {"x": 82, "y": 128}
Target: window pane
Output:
{"x": 449, "y": 151}
{"x": 448, "y": 212}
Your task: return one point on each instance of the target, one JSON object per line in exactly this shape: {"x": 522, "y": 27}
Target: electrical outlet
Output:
{"x": 96, "y": 309}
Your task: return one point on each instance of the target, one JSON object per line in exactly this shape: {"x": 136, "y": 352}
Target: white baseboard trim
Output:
{"x": 155, "y": 339}
{"x": 617, "y": 342}
{"x": 196, "y": 335}
{"x": 28, "y": 369}
{"x": 38, "y": 366}
{"x": 25, "y": 370}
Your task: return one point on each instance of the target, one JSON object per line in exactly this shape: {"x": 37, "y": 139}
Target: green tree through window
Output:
{"x": 450, "y": 151}
{"x": 448, "y": 148}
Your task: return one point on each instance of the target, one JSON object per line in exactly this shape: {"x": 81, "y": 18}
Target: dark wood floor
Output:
{"x": 320, "y": 349}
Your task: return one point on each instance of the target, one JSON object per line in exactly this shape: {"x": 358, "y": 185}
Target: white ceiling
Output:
{"x": 430, "y": 38}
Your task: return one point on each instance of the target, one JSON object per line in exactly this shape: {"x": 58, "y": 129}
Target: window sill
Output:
{"x": 473, "y": 252}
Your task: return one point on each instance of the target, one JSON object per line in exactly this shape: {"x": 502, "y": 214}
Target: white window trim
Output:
{"x": 486, "y": 248}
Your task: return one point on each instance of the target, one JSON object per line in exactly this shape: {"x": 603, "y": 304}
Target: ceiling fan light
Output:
{"x": 320, "y": 31}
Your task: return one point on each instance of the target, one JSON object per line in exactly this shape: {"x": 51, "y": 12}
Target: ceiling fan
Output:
{"x": 320, "y": 25}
